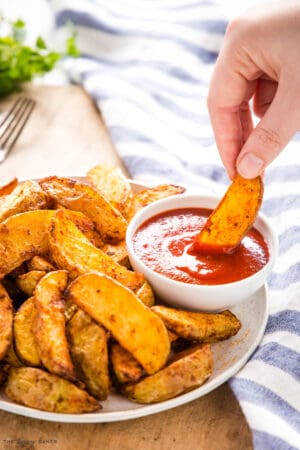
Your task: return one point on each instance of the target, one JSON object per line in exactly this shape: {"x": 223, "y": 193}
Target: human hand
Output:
{"x": 260, "y": 60}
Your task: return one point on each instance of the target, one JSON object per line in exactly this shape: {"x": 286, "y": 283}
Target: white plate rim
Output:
{"x": 145, "y": 410}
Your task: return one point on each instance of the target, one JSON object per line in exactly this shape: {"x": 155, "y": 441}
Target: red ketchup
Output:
{"x": 164, "y": 244}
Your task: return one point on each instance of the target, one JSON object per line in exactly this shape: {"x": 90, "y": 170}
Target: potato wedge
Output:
{"x": 85, "y": 225}
{"x": 26, "y": 196}
{"x": 28, "y": 281}
{"x": 88, "y": 347}
{"x": 24, "y": 340}
{"x": 8, "y": 187}
{"x": 189, "y": 370}
{"x": 38, "y": 389}
{"x": 71, "y": 250}
{"x": 232, "y": 218}
{"x": 39, "y": 263}
{"x": 112, "y": 184}
{"x": 77, "y": 196}
{"x": 145, "y": 294}
{"x": 150, "y": 195}
{"x": 49, "y": 325}
{"x": 126, "y": 368}
{"x": 6, "y": 321}
{"x": 22, "y": 236}
{"x": 11, "y": 358}
{"x": 198, "y": 326}
{"x": 131, "y": 323}
{"x": 118, "y": 252}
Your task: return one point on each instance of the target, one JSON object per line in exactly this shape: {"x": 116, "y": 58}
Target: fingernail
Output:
{"x": 250, "y": 166}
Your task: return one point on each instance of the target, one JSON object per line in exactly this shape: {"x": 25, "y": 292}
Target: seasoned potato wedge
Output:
{"x": 232, "y": 218}
{"x": 126, "y": 368}
{"x": 26, "y": 196}
{"x": 72, "y": 251}
{"x": 28, "y": 281}
{"x": 131, "y": 323}
{"x": 198, "y": 326}
{"x": 118, "y": 252}
{"x": 81, "y": 197}
{"x": 39, "y": 263}
{"x": 147, "y": 196}
{"x": 11, "y": 358}
{"x": 41, "y": 390}
{"x": 49, "y": 325}
{"x": 24, "y": 340}
{"x": 145, "y": 294}
{"x": 85, "y": 225}
{"x": 112, "y": 184}
{"x": 88, "y": 346}
{"x": 22, "y": 236}
{"x": 189, "y": 370}
{"x": 8, "y": 187}
{"x": 6, "y": 321}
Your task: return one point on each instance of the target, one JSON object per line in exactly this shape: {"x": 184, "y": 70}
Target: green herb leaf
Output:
{"x": 20, "y": 63}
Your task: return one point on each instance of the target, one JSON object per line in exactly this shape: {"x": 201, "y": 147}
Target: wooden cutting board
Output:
{"x": 66, "y": 136}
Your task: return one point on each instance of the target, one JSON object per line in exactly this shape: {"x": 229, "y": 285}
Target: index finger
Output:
{"x": 228, "y": 91}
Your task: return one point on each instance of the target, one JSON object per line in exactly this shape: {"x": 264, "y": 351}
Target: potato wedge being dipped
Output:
{"x": 232, "y": 218}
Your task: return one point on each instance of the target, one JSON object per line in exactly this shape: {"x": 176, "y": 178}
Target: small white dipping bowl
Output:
{"x": 195, "y": 296}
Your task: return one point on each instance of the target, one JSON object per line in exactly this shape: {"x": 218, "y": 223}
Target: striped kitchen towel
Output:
{"x": 147, "y": 65}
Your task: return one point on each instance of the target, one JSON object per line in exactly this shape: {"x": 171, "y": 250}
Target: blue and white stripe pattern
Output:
{"x": 147, "y": 65}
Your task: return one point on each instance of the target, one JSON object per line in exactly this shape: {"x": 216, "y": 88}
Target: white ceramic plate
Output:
{"x": 229, "y": 356}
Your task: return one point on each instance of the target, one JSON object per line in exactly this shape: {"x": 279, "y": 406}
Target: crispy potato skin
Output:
{"x": 8, "y": 187}
{"x": 131, "y": 323}
{"x": 197, "y": 326}
{"x": 150, "y": 195}
{"x": 49, "y": 325}
{"x": 41, "y": 390}
{"x": 88, "y": 346}
{"x": 6, "y": 321}
{"x": 118, "y": 252}
{"x": 39, "y": 263}
{"x": 232, "y": 218}
{"x": 112, "y": 184}
{"x": 22, "y": 236}
{"x": 26, "y": 196}
{"x": 24, "y": 341}
{"x": 145, "y": 294}
{"x": 28, "y": 281}
{"x": 189, "y": 370}
{"x": 77, "y": 196}
{"x": 72, "y": 251}
{"x": 85, "y": 225}
{"x": 126, "y": 368}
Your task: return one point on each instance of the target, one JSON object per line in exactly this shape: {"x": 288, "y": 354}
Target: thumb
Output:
{"x": 273, "y": 132}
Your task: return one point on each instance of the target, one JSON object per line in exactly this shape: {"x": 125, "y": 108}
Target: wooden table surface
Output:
{"x": 66, "y": 136}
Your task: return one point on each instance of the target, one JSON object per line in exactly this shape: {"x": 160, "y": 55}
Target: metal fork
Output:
{"x": 13, "y": 123}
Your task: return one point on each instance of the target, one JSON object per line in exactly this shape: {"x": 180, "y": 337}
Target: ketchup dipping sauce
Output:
{"x": 163, "y": 243}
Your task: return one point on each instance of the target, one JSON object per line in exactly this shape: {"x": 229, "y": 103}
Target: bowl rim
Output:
{"x": 139, "y": 219}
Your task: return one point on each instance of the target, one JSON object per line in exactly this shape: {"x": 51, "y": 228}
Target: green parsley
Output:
{"x": 20, "y": 63}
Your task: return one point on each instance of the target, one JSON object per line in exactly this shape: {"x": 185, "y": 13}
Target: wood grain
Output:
{"x": 66, "y": 135}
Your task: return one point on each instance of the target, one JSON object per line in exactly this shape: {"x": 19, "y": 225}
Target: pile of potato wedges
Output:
{"x": 76, "y": 322}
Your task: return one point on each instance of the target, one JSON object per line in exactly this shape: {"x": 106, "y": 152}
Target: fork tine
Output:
{"x": 10, "y": 112}
{"x": 16, "y": 126}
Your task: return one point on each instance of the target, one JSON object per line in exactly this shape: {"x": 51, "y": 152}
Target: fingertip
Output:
{"x": 250, "y": 165}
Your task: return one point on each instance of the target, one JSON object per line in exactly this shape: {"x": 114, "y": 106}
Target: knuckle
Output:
{"x": 269, "y": 137}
